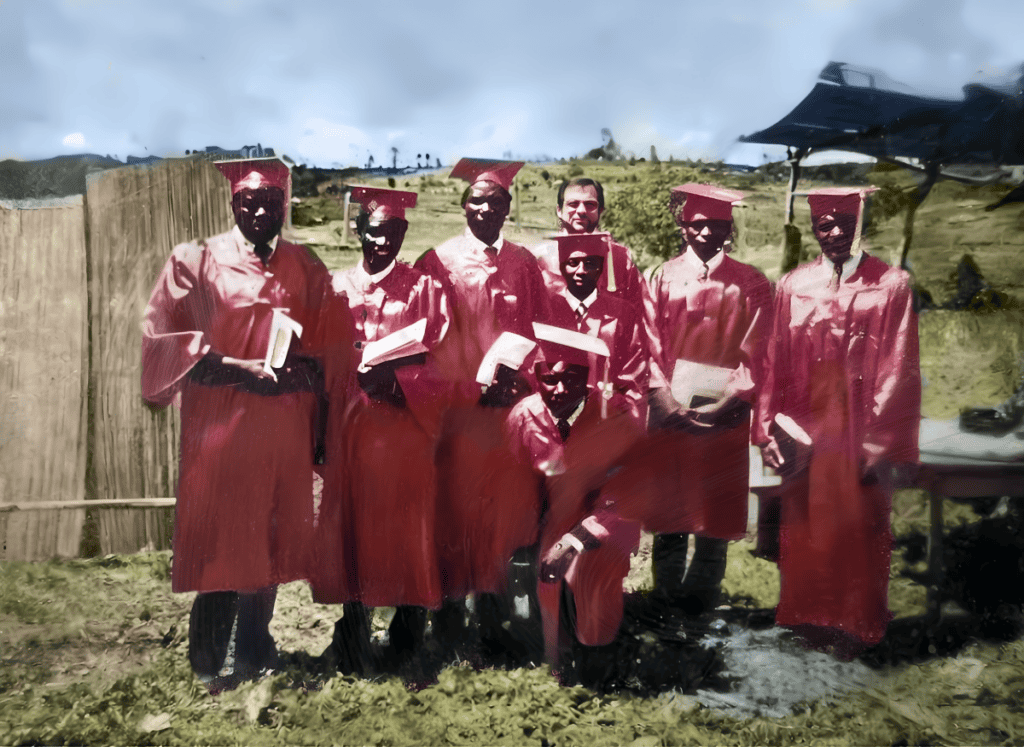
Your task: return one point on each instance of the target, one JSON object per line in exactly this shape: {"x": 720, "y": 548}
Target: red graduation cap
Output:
{"x": 838, "y": 200}
{"x": 475, "y": 170}
{"x": 575, "y": 348}
{"x": 570, "y": 346}
{"x": 592, "y": 245}
{"x": 706, "y": 201}
{"x": 255, "y": 173}
{"x": 384, "y": 203}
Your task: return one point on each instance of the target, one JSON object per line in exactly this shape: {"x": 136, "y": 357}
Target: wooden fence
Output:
{"x": 74, "y": 281}
{"x": 43, "y": 373}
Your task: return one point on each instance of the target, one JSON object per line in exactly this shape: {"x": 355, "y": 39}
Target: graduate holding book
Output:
{"x": 233, "y": 333}
{"x": 708, "y": 324}
{"x": 840, "y": 413}
{"x": 376, "y": 530}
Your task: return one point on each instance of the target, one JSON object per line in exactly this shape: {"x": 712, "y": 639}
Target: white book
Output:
{"x": 399, "y": 344}
{"x": 792, "y": 429}
{"x": 282, "y": 327}
{"x": 510, "y": 350}
{"x": 691, "y": 379}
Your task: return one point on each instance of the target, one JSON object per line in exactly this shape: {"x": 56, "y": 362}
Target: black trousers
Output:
{"x": 229, "y": 632}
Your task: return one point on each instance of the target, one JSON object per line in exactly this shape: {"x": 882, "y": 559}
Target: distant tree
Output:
{"x": 438, "y": 163}
{"x": 654, "y": 155}
{"x": 369, "y": 162}
{"x": 612, "y": 151}
{"x": 394, "y": 157}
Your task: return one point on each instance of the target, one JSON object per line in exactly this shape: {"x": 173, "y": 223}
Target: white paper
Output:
{"x": 282, "y": 327}
{"x": 690, "y": 379}
{"x": 406, "y": 341}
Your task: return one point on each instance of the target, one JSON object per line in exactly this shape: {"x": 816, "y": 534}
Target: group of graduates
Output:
{"x": 498, "y": 423}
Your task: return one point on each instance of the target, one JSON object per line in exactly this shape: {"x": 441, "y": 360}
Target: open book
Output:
{"x": 404, "y": 342}
{"x": 696, "y": 384}
{"x": 282, "y": 327}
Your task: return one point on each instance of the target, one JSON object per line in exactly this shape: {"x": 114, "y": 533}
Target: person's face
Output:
{"x": 486, "y": 209}
{"x": 562, "y": 386}
{"x": 259, "y": 213}
{"x": 381, "y": 240}
{"x": 835, "y": 233}
{"x": 580, "y": 211}
{"x": 581, "y": 273}
{"x": 706, "y": 235}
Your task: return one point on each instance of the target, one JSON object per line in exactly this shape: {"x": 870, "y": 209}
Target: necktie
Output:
{"x": 581, "y": 311}
{"x": 263, "y": 251}
{"x": 836, "y": 276}
{"x": 491, "y": 252}
{"x": 705, "y": 275}
{"x": 563, "y": 429}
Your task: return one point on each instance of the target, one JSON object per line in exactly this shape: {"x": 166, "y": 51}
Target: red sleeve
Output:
{"x": 172, "y": 342}
{"x": 632, "y": 370}
{"x": 775, "y": 382}
{"x": 893, "y": 423}
{"x": 652, "y": 305}
{"x": 754, "y": 344}
{"x": 534, "y": 440}
{"x": 432, "y": 304}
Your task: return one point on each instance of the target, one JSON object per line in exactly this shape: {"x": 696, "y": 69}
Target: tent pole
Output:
{"x": 791, "y": 234}
{"x": 917, "y": 196}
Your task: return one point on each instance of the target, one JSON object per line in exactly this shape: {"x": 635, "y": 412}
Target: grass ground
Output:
{"x": 93, "y": 651}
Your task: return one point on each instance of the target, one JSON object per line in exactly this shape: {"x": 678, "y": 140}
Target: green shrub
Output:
{"x": 638, "y": 216}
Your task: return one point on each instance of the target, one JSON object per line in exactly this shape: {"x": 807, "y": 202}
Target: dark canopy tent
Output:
{"x": 863, "y": 111}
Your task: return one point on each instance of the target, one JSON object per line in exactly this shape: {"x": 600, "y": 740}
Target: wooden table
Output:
{"x": 951, "y": 477}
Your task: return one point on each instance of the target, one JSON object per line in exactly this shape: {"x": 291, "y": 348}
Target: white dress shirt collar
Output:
{"x": 574, "y": 303}
{"x": 242, "y": 241}
{"x": 366, "y": 278}
{"x": 481, "y": 245}
{"x": 712, "y": 264}
{"x": 849, "y": 266}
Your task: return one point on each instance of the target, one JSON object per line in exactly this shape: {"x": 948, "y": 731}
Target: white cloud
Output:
{"x": 74, "y": 140}
{"x": 324, "y": 143}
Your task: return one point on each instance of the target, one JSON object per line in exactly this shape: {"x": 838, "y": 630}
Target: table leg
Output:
{"x": 936, "y": 567}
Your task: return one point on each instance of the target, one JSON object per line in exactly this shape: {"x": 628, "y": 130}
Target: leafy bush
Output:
{"x": 638, "y": 215}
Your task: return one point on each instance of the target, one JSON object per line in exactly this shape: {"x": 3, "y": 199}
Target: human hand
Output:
{"x": 556, "y": 561}
{"x": 250, "y": 366}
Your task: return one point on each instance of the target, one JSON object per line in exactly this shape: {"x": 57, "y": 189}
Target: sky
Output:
{"x": 331, "y": 83}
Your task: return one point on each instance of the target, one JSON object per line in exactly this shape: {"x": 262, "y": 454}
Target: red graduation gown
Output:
{"x": 487, "y": 296}
{"x": 720, "y": 320}
{"x": 594, "y": 445}
{"x": 486, "y": 503}
{"x": 244, "y": 516}
{"x": 377, "y": 517}
{"x": 629, "y": 283}
{"x": 843, "y": 363}
{"x": 614, "y": 321}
